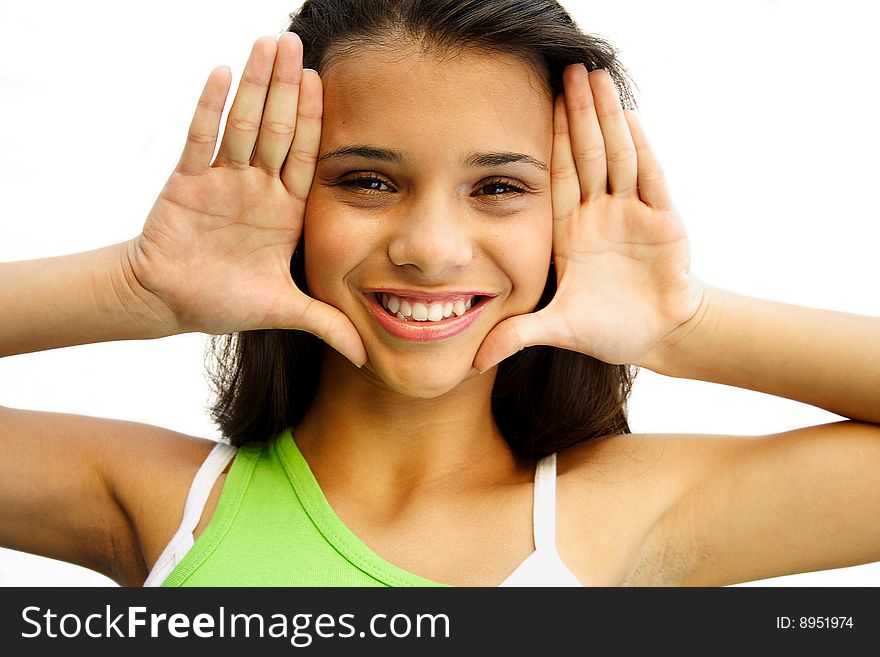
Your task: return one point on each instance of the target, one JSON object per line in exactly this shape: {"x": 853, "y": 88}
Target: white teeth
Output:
{"x": 421, "y": 311}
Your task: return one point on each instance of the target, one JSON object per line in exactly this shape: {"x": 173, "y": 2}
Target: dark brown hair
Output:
{"x": 544, "y": 398}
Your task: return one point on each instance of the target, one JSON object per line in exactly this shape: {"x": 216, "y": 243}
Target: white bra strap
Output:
{"x": 202, "y": 485}
{"x": 544, "y": 518}
{"x": 200, "y": 490}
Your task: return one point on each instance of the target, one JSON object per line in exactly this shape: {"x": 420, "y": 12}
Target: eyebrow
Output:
{"x": 366, "y": 152}
{"x": 497, "y": 159}
{"x": 483, "y": 160}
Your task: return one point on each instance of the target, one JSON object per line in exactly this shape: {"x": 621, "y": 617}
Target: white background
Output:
{"x": 763, "y": 114}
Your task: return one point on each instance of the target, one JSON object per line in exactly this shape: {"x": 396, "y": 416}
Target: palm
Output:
{"x": 217, "y": 245}
{"x": 629, "y": 263}
{"x": 620, "y": 251}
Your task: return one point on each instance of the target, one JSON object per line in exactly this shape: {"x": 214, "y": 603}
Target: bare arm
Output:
{"x": 77, "y": 299}
{"x": 100, "y": 493}
{"x": 804, "y": 500}
{"x": 755, "y": 507}
{"x": 820, "y": 357}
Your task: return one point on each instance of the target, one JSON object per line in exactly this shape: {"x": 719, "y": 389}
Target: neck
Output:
{"x": 358, "y": 432}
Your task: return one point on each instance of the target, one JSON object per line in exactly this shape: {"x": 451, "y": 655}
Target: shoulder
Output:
{"x": 616, "y": 496}
{"x": 613, "y": 494}
{"x": 630, "y": 464}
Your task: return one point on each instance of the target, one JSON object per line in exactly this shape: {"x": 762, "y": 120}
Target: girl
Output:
{"x": 488, "y": 246}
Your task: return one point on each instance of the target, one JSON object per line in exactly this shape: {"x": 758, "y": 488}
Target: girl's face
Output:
{"x": 429, "y": 220}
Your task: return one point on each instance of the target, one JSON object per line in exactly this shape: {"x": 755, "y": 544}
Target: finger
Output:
{"x": 620, "y": 153}
{"x": 299, "y": 168}
{"x": 513, "y": 335}
{"x": 587, "y": 144}
{"x": 243, "y": 122}
{"x": 652, "y": 182}
{"x": 332, "y": 326}
{"x": 205, "y": 125}
{"x": 279, "y": 116}
{"x": 564, "y": 183}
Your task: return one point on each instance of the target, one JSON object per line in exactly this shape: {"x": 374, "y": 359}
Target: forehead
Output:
{"x": 425, "y": 104}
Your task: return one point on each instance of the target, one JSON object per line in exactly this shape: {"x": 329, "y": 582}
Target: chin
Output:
{"x": 421, "y": 381}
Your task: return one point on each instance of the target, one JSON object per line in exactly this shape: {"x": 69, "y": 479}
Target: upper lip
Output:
{"x": 433, "y": 295}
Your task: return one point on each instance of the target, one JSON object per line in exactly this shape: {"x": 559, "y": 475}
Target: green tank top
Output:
{"x": 273, "y": 527}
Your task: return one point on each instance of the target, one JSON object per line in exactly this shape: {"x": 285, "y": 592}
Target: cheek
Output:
{"x": 526, "y": 255}
{"x": 330, "y": 249}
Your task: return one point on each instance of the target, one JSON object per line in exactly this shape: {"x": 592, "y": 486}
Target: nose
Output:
{"x": 432, "y": 238}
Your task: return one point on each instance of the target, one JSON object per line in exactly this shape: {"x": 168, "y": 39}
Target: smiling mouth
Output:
{"x": 426, "y": 310}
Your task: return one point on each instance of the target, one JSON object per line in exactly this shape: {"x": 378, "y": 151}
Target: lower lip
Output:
{"x": 416, "y": 331}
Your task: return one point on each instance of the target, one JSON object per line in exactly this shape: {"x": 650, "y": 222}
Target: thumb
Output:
{"x": 512, "y": 335}
{"x": 332, "y": 326}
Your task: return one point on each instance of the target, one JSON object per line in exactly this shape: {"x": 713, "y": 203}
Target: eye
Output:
{"x": 365, "y": 183}
{"x": 499, "y": 188}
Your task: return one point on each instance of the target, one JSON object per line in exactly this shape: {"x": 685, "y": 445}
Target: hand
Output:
{"x": 620, "y": 251}
{"x": 216, "y": 247}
